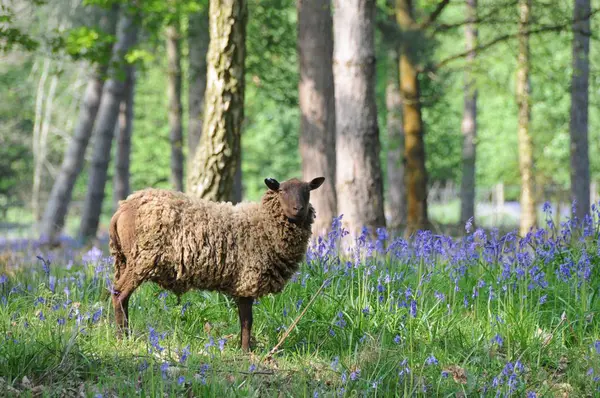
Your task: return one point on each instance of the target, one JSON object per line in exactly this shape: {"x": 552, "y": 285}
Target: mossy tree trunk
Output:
{"x": 218, "y": 152}
{"x": 317, "y": 105}
{"x": 414, "y": 146}
{"x": 198, "y": 39}
{"x": 580, "y": 160}
{"x": 528, "y": 208}
{"x": 123, "y": 153}
{"x": 72, "y": 164}
{"x": 173, "y": 45}
{"x": 108, "y": 113}
{"x": 469, "y": 121}
{"x": 359, "y": 183}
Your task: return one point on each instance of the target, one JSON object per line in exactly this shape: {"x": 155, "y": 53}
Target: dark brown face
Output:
{"x": 294, "y": 196}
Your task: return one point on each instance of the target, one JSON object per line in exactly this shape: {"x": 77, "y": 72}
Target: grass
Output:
{"x": 477, "y": 316}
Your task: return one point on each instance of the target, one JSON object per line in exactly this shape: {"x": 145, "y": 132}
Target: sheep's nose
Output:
{"x": 298, "y": 208}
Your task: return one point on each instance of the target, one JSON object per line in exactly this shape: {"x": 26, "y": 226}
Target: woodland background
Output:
{"x": 477, "y": 66}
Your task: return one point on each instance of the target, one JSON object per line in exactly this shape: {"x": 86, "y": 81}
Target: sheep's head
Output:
{"x": 294, "y": 196}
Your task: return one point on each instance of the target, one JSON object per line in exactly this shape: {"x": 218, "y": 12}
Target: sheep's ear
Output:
{"x": 272, "y": 183}
{"x": 316, "y": 183}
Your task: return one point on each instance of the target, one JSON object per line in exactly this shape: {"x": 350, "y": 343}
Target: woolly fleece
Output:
{"x": 183, "y": 243}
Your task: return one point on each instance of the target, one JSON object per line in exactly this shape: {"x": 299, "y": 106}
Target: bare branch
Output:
{"x": 500, "y": 39}
{"x": 434, "y": 15}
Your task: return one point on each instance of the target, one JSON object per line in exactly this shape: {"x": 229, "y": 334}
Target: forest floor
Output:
{"x": 479, "y": 315}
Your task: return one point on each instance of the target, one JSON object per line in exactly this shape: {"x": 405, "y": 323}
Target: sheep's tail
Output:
{"x": 115, "y": 244}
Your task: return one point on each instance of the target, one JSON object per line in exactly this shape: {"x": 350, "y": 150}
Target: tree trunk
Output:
{"x": 198, "y": 39}
{"x": 528, "y": 208}
{"x": 62, "y": 190}
{"x": 238, "y": 187}
{"x": 358, "y": 170}
{"x": 395, "y": 155}
{"x": 218, "y": 152}
{"x": 37, "y": 140}
{"x": 123, "y": 152}
{"x": 469, "y": 121}
{"x": 108, "y": 113}
{"x": 175, "y": 109}
{"x": 580, "y": 164}
{"x": 414, "y": 146}
{"x": 317, "y": 104}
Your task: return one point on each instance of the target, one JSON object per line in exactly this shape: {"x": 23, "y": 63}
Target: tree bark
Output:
{"x": 317, "y": 105}
{"x": 358, "y": 170}
{"x": 123, "y": 152}
{"x": 175, "y": 108}
{"x": 198, "y": 39}
{"x": 395, "y": 155}
{"x": 108, "y": 112}
{"x": 62, "y": 190}
{"x": 580, "y": 163}
{"x": 38, "y": 158}
{"x": 414, "y": 146}
{"x": 469, "y": 121}
{"x": 528, "y": 208}
{"x": 218, "y": 152}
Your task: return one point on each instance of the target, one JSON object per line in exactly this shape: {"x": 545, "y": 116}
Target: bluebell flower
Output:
{"x": 185, "y": 306}
{"x": 397, "y": 339}
{"x": 543, "y": 299}
{"x": 597, "y": 346}
{"x": 531, "y": 394}
{"x": 52, "y": 283}
{"x": 413, "y": 308}
{"x": 211, "y": 342}
{"x": 252, "y": 368}
{"x": 298, "y": 304}
{"x": 344, "y": 378}
{"x": 335, "y": 363}
{"x": 222, "y": 342}
{"x": 439, "y": 296}
{"x": 184, "y": 354}
{"x": 498, "y": 340}
{"x": 431, "y": 360}
{"x": 61, "y": 321}
{"x": 3, "y": 279}
{"x": 354, "y": 374}
{"x": 444, "y": 374}
{"x": 41, "y": 316}
{"x": 163, "y": 369}
{"x": 96, "y": 316}
{"x": 181, "y": 380}
{"x": 469, "y": 225}
{"x": 404, "y": 368}
{"x": 365, "y": 311}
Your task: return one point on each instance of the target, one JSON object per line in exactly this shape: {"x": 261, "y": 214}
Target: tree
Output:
{"x": 395, "y": 154}
{"x": 218, "y": 152}
{"x": 580, "y": 164}
{"x": 469, "y": 121}
{"x": 62, "y": 190}
{"x": 108, "y": 112}
{"x": 125, "y": 126}
{"x": 358, "y": 172}
{"x": 174, "y": 98}
{"x": 414, "y": 146}
{"x": 317, "y": 105}
{"x": 198, "y": 39}
{"x": 528, "y": 208}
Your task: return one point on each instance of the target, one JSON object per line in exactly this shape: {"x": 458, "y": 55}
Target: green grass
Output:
{"x": 360, "y": 336}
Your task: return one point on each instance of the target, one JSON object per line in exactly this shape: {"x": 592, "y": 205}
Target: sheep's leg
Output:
{"x": 123, "y": 290}
{"x": 245, "y": 312}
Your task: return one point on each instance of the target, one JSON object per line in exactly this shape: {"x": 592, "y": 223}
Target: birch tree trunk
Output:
{"x": 414, "y": 146}
{"x": 62, "y": 190}
{"x": 317, "y": 105}
{"x": 580, "y": 163}
{"x": 175, "y": 109}
{"x": 198, "y": 39}
{"x": 395, "y": 155}
{"x": 218, "y": 152}
{"x": 469, "y": 121}
{"x": 528, "y": 208}
{"x": 123, "y": 152}
{"x": 108, "y": 113}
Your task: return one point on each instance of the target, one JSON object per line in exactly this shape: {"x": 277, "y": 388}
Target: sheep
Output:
{"x": 245, "y": 251}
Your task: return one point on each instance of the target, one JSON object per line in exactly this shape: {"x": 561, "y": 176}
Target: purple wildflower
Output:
{"x": 498, "y": 340}
{"x": 184, "y": 354}
{"x": 413, "y": 308}
{"x": 181, "y": 380}
{"x": 354, "y": 374}
{"x": 222, "y": 342}
{"x": 252, "y": 368}
{"x": 3, "y": 279}
{"x": 431, "y": 360}
{"x": 163, "y": 369}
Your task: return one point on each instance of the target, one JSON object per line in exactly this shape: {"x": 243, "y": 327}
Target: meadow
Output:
{"x": 481, "y": 315}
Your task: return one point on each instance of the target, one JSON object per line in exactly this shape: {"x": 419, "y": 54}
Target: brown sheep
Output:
{"x": 179, "y": 242}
